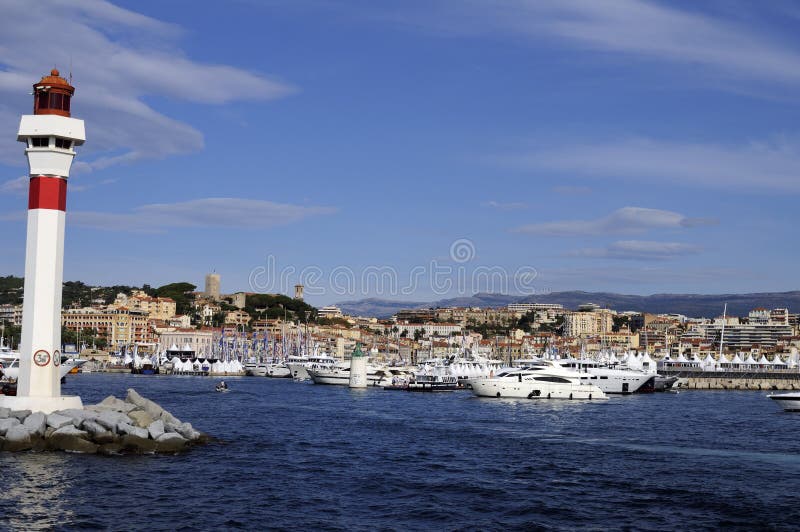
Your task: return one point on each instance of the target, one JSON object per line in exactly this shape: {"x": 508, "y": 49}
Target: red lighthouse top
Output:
{"x": 52, "y": 95}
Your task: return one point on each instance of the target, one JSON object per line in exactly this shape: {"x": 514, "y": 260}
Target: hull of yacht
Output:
{"x": 278, "y": 371}
{"x": 298, "y": 371}
{"x": 11, "y": 367}
{"x": 534, "y": 389}
{"x": 620, "y": 382}
{"x": 255, "y": 370}
{"x": 341, "y": 377}
{"x": 790, "y": 402}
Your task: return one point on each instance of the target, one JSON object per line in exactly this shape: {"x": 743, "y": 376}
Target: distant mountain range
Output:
{"x": 691, "y": 305}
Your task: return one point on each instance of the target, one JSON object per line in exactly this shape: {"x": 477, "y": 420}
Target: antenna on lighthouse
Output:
{"x": 70, "y": 69}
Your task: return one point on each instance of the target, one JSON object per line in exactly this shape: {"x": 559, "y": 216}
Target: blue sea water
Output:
{"x": 303, "y": 456}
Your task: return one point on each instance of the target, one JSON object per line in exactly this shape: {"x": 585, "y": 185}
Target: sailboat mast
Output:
{"x": 722, "y": 334}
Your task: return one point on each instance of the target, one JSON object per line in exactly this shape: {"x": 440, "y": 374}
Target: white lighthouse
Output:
{"x": 50, "y": 135}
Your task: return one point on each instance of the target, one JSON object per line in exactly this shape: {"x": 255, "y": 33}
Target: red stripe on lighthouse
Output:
{"x": 48, "y": 193}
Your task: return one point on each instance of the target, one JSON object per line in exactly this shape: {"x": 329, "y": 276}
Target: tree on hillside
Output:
{"x": 180, "y": 293}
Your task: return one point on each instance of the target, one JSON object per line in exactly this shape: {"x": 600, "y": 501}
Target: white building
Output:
{"x": 331, "y": 311}
{"x": 430, "y": 329}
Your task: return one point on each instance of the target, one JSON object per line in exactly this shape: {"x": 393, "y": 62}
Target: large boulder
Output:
{"x": 169, "y": 419}
{"x": 18, "y": 439}
{"x": 141, "y": 418}
{"x": 70, "y": 430}
{"x": 20, "y": 414}
{"x": 57, "y": 421}
{"x": 36, "y": 423}
{"x": 98, "y": 433}
{"x": 127, "y": 429}
{"x": 111, "y": 419}
{"x": 69, "y": 438}
{"x": 78, "y": 415}
{"x": 7, "y": 423}
{"x": 170, "y": 442}
{"x": 156, "y": 429}
{"x": 132, "y": 442}
{"x": 147, "y": 405}
{"x": 112, "y": 403}
{"x": 187, "y": 431}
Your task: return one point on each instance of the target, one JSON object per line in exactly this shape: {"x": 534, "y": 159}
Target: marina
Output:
{"x": 358, "y": 456}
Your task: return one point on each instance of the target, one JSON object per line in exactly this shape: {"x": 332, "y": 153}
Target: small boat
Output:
{"x": 222, "y": 387}
{"x": 790, "y": 402}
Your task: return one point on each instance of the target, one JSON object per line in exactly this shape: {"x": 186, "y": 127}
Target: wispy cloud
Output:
{"x": 508, "y": 206}
{"x": 639, "y": 250}
{"x": 122, "y": 60}
{"x": 627, "y": 220}
{"x": 16, "y": 186}
{"x": 233, "y": 213}
{"x": 725, "y": 48}
{"x": 761, "y": 166}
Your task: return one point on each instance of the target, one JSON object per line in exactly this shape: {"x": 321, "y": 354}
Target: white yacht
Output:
{"x": 790, "y": 402}
{"x": 542, "y": 380}
{"x": 340, "y": 374}
{"x": 610, "y": 379}
{"x": 299, "y": 365}
{"x": 278, "y": 370}
{"x": 10, "y": 362}
{"x": 254, "y": 368}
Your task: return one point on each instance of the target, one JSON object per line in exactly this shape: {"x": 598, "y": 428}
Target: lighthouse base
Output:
{"x": 46, "y": 405}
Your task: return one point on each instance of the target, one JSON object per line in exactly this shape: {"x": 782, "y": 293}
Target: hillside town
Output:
{"x": 282, "y": 325}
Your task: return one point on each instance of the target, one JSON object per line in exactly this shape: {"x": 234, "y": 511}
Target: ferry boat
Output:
{"x": 544, "y": 380}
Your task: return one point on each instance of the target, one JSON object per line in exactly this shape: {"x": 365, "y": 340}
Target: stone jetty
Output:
{"x": 114, "y": 426}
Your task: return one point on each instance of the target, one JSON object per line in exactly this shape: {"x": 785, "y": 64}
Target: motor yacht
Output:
{"x": 610, "y": 379}
{"x": 340, "y": 374}
{"x": 790, "y": 402}
{"x": 10, "y": 362}
{"x": 543, "y": 380}
{"x": 299, "y": 365}
{"x": 254, "y": 368}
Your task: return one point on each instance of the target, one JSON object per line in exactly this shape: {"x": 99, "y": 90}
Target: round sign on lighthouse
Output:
{"x": 50, "y": 135}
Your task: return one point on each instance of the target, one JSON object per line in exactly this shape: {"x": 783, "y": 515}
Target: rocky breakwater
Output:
{"x": 133, "y": 426}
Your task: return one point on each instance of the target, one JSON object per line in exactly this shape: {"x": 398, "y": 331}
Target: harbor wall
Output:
{"x": 735, "y": 380}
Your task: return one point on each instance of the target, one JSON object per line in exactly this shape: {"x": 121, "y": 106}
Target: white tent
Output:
{"x": 709, "y": 364}
{"x": 750, "y": 361}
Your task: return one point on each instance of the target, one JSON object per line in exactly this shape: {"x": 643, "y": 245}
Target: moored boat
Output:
{"x": 790, "y": 402}
{"x": 544, "y": 380}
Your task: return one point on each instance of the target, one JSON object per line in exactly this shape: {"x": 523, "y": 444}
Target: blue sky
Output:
{"x": 628, "y": 146}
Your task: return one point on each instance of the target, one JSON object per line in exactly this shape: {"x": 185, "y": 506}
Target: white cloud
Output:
{"x": 639, "y": 250}
{"x": 627, "y": 220}
{"x": 233, "y": 213}
{"x": 508, "y": 206}
{"x": 717, "y": 46}
{"x": 120, "y": 60}
{"x": 760, "y": 166}
{"x": 16, "y": 186}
